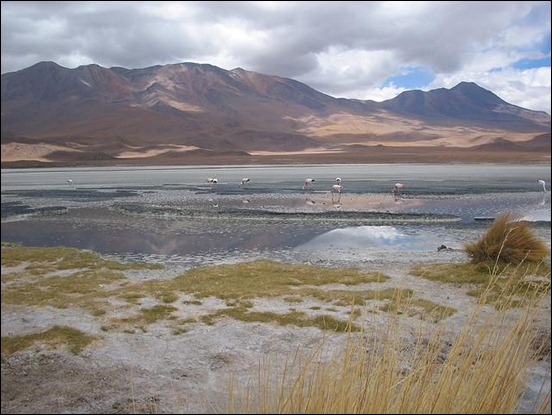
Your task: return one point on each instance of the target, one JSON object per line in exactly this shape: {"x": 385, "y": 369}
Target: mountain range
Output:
{"x": 190, "y": 113}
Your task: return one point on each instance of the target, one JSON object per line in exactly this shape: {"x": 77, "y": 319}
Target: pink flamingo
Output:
{"x": 543, "y": 184}
{"x": 396, "y": 189}
{"x": 336, "y": 188}
{"x": 308, "y": 182}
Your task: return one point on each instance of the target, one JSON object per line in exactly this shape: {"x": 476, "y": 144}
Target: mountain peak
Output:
{"x": 46, "y": 64}
{"x": 475, "y": 93}
{"x": 44, "y": 67}
{"x": 466, "y": 85}
{"x": 465, "y": 101}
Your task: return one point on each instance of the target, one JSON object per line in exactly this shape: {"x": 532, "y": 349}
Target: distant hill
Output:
{"x": 188, "y": 113}
{"x": 466, "y": 102}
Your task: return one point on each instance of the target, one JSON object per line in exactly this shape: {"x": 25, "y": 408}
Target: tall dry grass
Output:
{"x": 483, "y": 369}
{"x": 508, "y": 240}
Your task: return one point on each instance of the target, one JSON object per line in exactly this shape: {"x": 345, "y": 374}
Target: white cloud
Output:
{"x": 349, "y": 69}
{"x": 380, "y": 94}
{"x": 345, "y": 49}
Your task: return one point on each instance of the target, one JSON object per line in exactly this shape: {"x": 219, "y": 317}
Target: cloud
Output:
{"x": 348, "y": 49}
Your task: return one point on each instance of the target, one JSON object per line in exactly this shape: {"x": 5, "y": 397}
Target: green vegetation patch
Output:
{"x": 351, "y": 298}
{"x": 82, "y": 288}
{"x": 295, "y": 318}
{"x": 151, "y": 314}
{"x": 293, "y": 299}
{"x": 265, "y": 278}
{"x": 481, "y": 273}
{"x": 46, "y": 278}
{"x": 67, "y": 277}
{"x": 246, "y": 280}
{"x": 500, "y": 284}
{"x": 424, "y": 309}
{"x": 57, "y": 336}
{"x": 453, "y": 273}
{"x": 51, "y": 259}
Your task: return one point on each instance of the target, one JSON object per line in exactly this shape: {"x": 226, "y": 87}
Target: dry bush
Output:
{"x": 508, "y": 240}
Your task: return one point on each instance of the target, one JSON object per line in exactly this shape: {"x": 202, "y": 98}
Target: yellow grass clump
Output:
{"x": 508, "y": 240}
{"x": 484, "y": 370}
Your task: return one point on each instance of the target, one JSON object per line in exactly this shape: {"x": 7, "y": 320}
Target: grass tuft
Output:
{"x": 508, "y": 240}
{"x": 483, "y": 370}
{"x": 57, "y": 336}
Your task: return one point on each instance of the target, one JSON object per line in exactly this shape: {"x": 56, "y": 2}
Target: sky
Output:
{"x": 350, "y": 49}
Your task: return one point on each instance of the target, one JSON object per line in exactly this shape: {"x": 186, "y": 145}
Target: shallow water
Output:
{"x": 173, "y": 214}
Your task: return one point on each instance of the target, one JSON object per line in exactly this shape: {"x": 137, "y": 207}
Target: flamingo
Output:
{"x": 336, "y": 188}
{"x": 70, "y": 182}
{"x": 213, "y": 181}
{"x": 244, "y": 181}
{"x": 396, "y": 189}
{"x": 308, "y": 182}
{"x": 543, "y": 184}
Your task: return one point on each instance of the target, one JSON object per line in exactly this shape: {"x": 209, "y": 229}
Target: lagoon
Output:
{"x": 171, "y": 213}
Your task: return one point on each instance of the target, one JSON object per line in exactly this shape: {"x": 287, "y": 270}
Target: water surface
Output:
{"x": 173, "y": 213}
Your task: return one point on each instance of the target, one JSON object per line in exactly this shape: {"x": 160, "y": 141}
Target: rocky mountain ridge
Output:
{"x": 179, "y": 112}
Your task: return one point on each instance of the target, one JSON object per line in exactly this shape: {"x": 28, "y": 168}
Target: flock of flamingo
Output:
{"x": 336, "y": 189}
